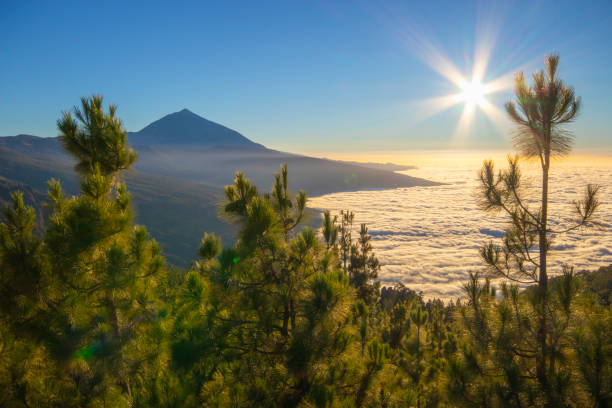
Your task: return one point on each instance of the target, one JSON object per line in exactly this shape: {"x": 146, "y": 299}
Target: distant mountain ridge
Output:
{"x": 31, "y": 197}
{"x": 380, "y": 166}
{"x": 184, "y": 161}
{"x": 185, "y": 128}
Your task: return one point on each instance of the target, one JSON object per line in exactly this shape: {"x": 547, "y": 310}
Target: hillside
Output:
{"x": 184, "y": 162}
{"x": 31, "y": 197}
{"x": 186, "y": 146}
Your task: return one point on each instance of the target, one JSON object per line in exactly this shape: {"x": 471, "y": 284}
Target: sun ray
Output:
{"x": 429, "y": 107}
{"x": 472, "y": 92}
{"x": 472, "y": 89}
{"x": 502, "y": 83}
{"x": 496, "y": 116}
{"x": 420, "y": 45}
{"x": 463, "y": 125}
{"x": 441, "y": 64}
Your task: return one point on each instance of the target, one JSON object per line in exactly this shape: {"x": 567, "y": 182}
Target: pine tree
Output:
{"x": 90, "y": 316}
{"x": 330, "y": 230}
{"x": 20, "y": 252}
{"x": 21, "y": 278}
{"x": 346, "y": 240}
{"x": 269, "y": 308}
{"x": 95, "y": 138}
{"x": 290, "y": 214}
{"x": 541, "y": 113}
{"x": 364, "y": 267}
{"x": 105, "y": 271}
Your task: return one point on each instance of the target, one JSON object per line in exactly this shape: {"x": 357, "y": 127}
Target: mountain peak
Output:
{"x": 187, "y": 128}
{"x": 184, "y": 113}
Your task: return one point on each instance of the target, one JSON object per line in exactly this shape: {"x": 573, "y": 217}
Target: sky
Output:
{"x": 315, "y": 77}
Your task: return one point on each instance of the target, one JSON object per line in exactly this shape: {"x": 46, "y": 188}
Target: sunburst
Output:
{"x": 473, "y": 91}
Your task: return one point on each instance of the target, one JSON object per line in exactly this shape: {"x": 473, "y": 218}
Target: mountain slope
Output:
{"x": 177, "y": 182}
{"x": 31, "y": 197}
{"x": 315, "y": 176}
{"x": 185, "y": 128}
{"x": 186, "y": 146}
{"x": 176, "y": 212}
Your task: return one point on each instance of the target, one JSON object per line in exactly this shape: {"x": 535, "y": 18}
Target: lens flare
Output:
{"x": 473, "y": 93}
{"x": 87, "y": 352}
{"x": 470, "y": 89}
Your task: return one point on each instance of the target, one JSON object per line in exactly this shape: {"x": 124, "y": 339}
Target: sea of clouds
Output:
{"x": 428, "y": 237}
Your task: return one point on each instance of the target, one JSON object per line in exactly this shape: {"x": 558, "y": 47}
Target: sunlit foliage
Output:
{"x": 91, "y": 316}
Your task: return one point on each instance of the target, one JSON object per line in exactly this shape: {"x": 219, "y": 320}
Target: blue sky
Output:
{"x": 304, "y": 76}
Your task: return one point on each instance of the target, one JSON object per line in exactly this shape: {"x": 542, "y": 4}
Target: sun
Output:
{"x": 473, "y": 93}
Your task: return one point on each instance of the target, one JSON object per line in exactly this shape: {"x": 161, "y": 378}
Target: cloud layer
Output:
{"x": 429, "y": 237}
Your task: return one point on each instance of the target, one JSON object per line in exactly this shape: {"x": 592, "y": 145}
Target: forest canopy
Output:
{"x": 91, "y": 314}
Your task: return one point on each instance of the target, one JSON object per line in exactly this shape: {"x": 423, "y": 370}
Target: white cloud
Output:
{"x": 428, "y": 237}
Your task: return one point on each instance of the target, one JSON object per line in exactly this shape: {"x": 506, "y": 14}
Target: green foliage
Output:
{"x": 94, "y": 304}
{"x": 594, "y": 351}
{"x": 239, "y": 195}
{"x": 541, "y": 111}
{"x": 497, "y": 362}
{"x": 364, "y": 267}
{"x": 544, "y": 110}
{"x": 345, "y": 229}
{"x": 95, "y": 138}
{"x": 330, "y": 230}
{"x": 90, "y": 316}
{"x": 210, "y": 247}
{"x": 19, "y": 257}
{"x": 290, "y": 212}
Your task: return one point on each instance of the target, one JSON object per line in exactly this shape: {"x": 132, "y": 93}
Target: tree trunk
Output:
{"x": 292, "y": 314}
{"x": 419, "y": 342}
{"x": 344, "y": 256}
{"x": 543, "y": 278}
{"x": 285, "y": 328}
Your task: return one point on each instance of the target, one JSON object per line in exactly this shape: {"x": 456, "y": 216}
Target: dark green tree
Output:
{"x": 266, "y": 322}
{"x": 20, "y": 252}
{"x": 105, "y": 272}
